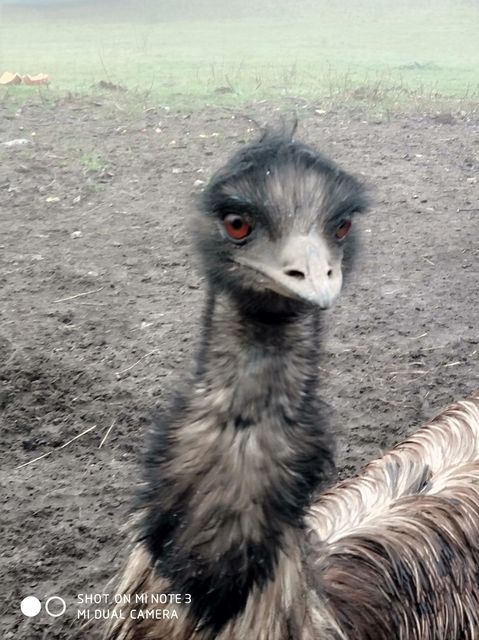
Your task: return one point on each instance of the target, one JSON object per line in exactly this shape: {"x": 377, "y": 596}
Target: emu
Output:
{"x": 227, "y": 516}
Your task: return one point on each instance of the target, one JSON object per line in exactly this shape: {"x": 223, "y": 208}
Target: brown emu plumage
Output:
{"x": 400, "y": 554}
{"x": 226, "y": 518}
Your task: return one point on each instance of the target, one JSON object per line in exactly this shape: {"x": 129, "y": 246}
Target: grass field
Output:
{"x": 370, "y": 50}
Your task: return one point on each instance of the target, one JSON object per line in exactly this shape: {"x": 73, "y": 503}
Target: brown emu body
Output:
{"x": 226, "y": 518}
{"x": 400, "y": 554}
{"x": 392, "y": 553}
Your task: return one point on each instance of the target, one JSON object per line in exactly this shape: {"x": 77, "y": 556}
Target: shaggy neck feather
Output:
{"x": 233, "y": 468}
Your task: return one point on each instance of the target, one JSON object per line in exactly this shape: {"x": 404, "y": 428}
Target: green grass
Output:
{"x": 92, "y": 162}
{"x": 370, "y": 50}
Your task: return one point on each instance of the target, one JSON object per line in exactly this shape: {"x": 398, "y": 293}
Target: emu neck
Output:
{"x": 235, "y": 467}
{"x": 255, "y": 370}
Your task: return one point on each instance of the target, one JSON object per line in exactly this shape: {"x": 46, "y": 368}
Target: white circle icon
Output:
{"x": 61, "y": 610}
{"x": 30, "y": 606}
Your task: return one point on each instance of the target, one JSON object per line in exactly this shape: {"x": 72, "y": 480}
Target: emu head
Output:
{"x": 277, "y": 223}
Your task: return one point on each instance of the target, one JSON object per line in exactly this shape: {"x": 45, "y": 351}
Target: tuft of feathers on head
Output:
{"x": 277, "y": 146}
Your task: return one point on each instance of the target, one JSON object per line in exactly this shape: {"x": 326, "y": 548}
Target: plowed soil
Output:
{"x": 101, "y": 302}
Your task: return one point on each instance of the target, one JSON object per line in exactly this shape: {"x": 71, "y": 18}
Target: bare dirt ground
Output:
{"x": 100, "y": 305}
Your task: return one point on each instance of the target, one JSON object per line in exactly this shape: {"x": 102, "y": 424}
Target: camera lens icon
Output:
{"x": 30, "y": 606}
{"x": 54, "y": 606}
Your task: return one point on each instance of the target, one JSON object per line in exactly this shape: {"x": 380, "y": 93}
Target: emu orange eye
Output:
{"x": 236, "y": 226}
{"x": 343, "y": 229}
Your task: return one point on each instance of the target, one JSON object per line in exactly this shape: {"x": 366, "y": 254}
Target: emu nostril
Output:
{"x": 330, "y": 273}
{"x": 294, "y": 273}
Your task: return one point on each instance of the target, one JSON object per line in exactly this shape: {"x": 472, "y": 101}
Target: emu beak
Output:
{"x": 304, "y": 269}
